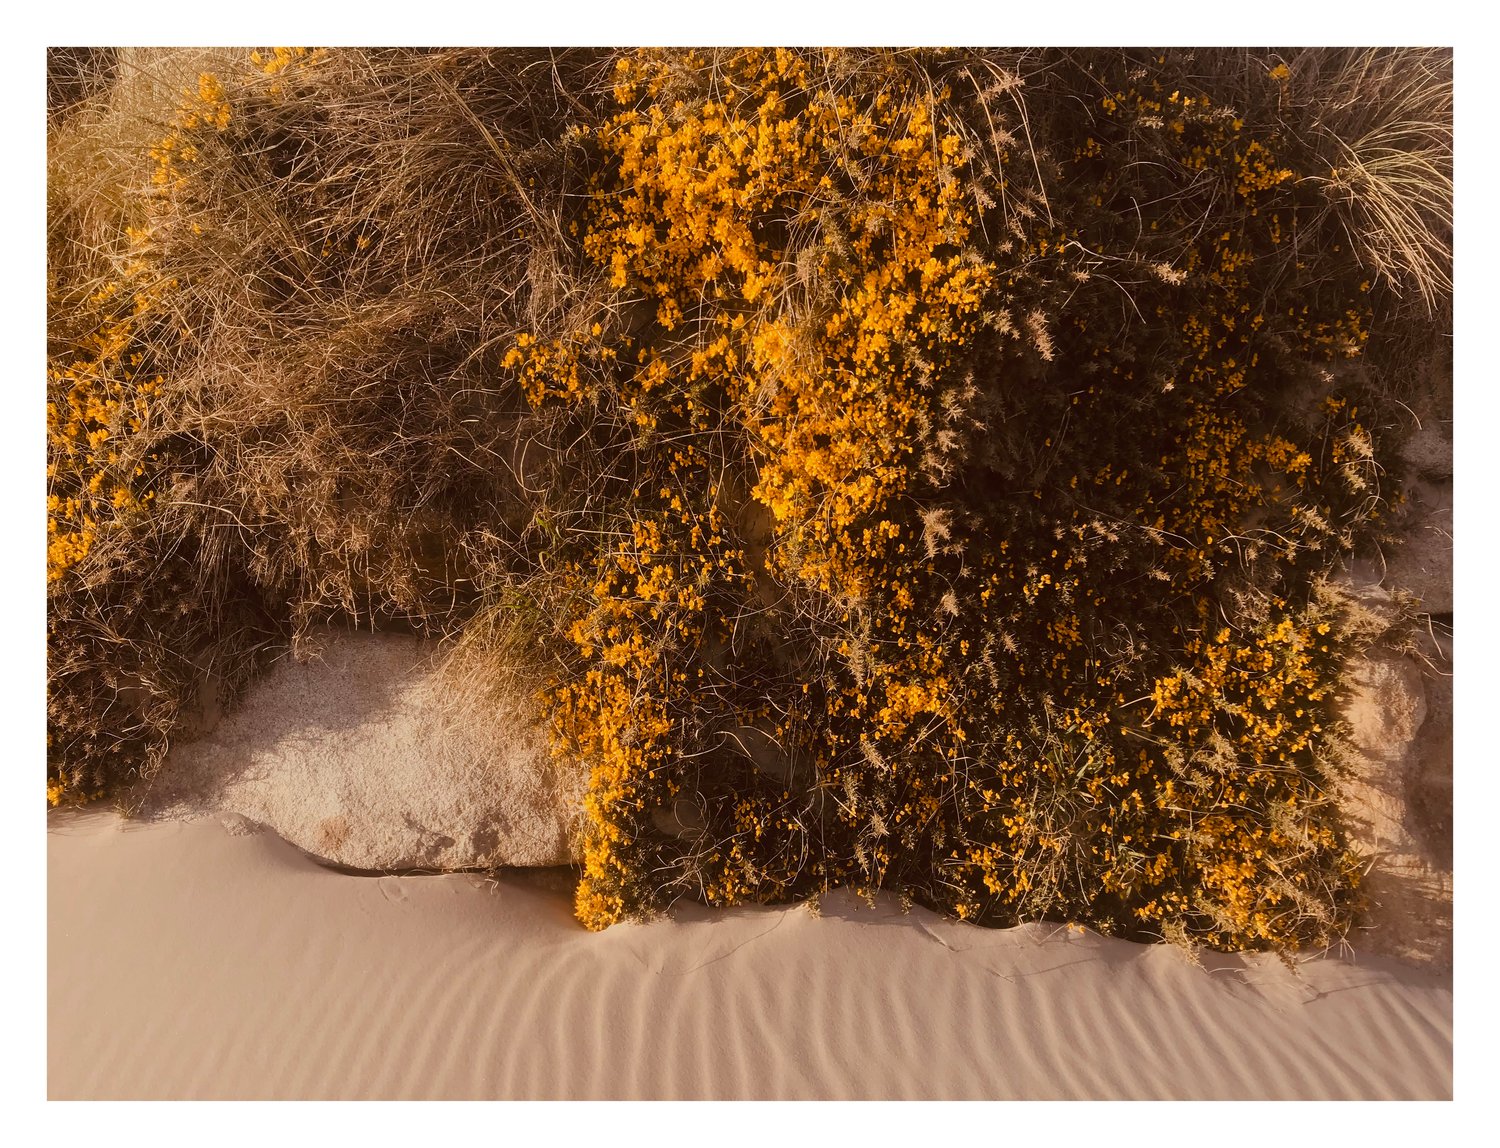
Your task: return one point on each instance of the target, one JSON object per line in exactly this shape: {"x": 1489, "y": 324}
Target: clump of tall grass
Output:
{"x": 1383, "y": 118}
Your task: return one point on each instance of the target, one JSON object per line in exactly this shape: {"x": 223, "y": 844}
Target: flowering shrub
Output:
{"x": 995, "y": 680}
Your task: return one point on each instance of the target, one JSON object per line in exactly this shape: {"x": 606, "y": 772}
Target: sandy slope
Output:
{"x": 190, "y": 961}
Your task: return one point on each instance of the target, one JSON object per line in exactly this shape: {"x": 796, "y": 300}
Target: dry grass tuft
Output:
{"x": 1384, "y": 119}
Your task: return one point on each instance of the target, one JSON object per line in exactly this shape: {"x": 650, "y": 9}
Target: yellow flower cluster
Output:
{"x": 710, "y": 205}
{"x": 205, "y": 106}
{"x": 278, "y": 60}
{"x": 281, "y": 64}
{"x": 96, "y": 397}
{"x": 100, "y": 391}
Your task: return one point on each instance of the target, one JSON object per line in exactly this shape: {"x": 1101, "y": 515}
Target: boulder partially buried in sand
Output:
{"x": 370, "y": 754}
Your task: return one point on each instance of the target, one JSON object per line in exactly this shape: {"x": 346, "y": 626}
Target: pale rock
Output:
{"x": 368, "y": 756}
{"x": 1398, "y": 802}
{"x": 1386, "y": 705}
{"x": 1429, "y": 451}
{"x": 1423, "y": 564}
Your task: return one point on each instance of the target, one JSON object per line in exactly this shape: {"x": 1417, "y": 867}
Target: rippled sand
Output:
{"x": 189, "y": 960}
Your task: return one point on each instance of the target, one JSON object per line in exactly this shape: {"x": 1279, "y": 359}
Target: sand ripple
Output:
{"x": 187, "y": 962}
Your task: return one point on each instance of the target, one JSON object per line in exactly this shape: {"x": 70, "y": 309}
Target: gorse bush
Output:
{"x": 912, "y": 470}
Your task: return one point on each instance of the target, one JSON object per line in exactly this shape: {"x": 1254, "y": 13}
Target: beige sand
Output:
{"x": 185, "y": 960}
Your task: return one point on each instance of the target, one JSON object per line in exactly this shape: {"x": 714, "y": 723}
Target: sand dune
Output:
{"x": 191, "y": 960}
